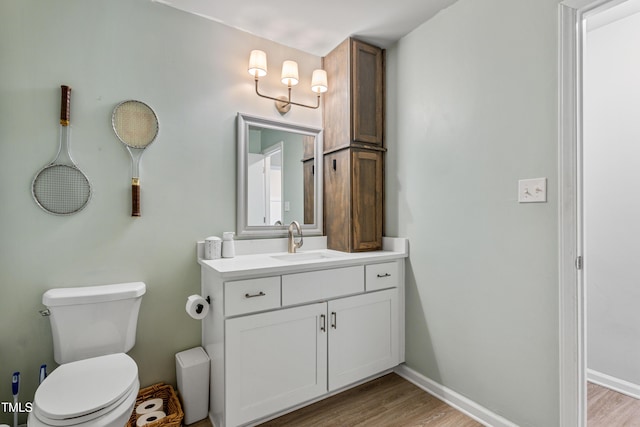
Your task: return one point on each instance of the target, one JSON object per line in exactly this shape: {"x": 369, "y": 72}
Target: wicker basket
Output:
{"x": 170, "y": 402}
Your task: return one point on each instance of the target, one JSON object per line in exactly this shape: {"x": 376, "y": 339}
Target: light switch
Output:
{"x": 532, "y": 190}
{"x": 287, "y": 207}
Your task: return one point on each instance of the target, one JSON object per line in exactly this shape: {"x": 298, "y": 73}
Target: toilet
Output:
{"x": 96, "y": 383}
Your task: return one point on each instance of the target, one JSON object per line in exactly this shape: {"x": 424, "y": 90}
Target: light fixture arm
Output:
{"x": 284, "y": 103}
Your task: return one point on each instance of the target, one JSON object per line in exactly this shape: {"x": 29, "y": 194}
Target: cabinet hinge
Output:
{"x": 579, "y": 262}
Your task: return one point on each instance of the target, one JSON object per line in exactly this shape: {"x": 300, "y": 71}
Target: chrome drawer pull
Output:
{"x": 334, "y": 320}
{"x": 323, "y": 323}
{"x": 384, "y": 275}
{"x": 259, "y": 294}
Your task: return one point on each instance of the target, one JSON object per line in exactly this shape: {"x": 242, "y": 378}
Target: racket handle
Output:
{"x": 135, "y": 197}
{"x": 65, "y": 105}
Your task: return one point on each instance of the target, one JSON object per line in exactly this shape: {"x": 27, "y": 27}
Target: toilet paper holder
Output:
{"x": 200, "y": 307}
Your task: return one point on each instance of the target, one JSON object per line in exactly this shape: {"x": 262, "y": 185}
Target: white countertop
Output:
{"x": 316, "y": 257}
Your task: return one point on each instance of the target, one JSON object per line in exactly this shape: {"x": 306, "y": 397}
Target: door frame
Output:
{"x": 572, "y": 298}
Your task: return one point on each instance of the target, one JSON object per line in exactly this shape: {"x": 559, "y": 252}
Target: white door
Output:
{"x": 274, "y": 360}
{"x": 363, "y": 336}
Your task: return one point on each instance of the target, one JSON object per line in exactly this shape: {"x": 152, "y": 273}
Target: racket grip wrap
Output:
{"x": 135, "y": 197}
{"x": 65, "y": 105}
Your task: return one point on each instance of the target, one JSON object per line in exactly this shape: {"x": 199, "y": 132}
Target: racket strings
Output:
{"x": 135, "y": 124}
{"x": 61, "y": 189}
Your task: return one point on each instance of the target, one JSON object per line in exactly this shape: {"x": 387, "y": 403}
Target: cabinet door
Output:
{"x": 367, "y": 200}
{"x": 309, "y": 190}
{"x": 274, "y": 360}
{"x": 309, "y": 147}
{"x": 367, "y": 92}
{"x": 337, "y": 208}
{"x": 336, "y": 110}
{"x": 363, "y": 336}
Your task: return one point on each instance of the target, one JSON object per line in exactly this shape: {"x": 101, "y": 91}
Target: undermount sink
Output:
{"x": 303, "y": 256}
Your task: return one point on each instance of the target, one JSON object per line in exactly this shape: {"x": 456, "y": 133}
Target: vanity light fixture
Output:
{"x": 289, "y": 77}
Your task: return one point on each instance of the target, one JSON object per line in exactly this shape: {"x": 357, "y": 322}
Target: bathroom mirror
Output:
{"x": 279, "y": 177}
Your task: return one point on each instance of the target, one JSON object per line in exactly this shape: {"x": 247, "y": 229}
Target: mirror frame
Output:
{"x": 243, "y": 229}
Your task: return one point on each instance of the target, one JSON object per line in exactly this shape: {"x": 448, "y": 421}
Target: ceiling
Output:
{"x": 317, "y": 27}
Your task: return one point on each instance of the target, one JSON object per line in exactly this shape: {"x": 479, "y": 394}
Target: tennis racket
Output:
{"x": 136, "y": 126}
{"x": 61, "y": 188}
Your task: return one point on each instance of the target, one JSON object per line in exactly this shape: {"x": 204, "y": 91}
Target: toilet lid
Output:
{"x": 79, "y": 388}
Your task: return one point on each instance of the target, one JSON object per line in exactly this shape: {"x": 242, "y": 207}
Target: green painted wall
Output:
{"x": 193, "y": 73}
{"x": 472, "y": 97}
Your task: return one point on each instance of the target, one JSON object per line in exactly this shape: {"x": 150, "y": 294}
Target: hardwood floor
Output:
{"x": 203, "y": 423}
{"x": 608, "y": 408}
{"x": 392, "y": 401}
{"x": 389, "y": 401}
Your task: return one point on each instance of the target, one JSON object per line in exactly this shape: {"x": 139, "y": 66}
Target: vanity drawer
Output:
{"x": 381, "y": 276}
{"x": 246, "y": 296}
{"x": 318, "y": 285}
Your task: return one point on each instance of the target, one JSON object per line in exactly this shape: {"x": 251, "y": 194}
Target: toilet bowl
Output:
{"x": 96, "y": 392}
{"x": 96, "y": 384}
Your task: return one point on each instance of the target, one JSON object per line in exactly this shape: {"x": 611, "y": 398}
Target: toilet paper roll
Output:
{"x": 149, "y": 418}
{"x": 197, "y": 307}
{"x": 151, "y": 405}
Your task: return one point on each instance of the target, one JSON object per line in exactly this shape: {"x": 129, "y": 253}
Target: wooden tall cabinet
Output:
{"x": 353, "y": 118}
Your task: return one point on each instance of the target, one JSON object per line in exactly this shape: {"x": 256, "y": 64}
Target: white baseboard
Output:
{"x": 613, "y": 383}
{"x": 456, "y": 400}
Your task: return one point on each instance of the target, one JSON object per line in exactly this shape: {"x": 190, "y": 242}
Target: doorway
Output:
{"x": 574, "y": 16}
{"x": 611, "y": 104}
{"x": 264, "y": 186}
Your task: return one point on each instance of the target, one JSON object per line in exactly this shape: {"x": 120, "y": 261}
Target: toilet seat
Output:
{"x": 118, "y": 417}
{"x": 82, "y": 391}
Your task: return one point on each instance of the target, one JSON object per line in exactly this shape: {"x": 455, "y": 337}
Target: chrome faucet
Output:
{"x": 293, "y": 245}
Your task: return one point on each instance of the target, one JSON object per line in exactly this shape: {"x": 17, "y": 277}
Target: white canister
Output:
{"x": 228, "y": 245}
{"x": 212, "y": 247}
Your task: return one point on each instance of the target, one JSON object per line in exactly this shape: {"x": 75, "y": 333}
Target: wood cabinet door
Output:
{"x": 337, "y": 193}
{"x": 363, "y": 336}
{"x": 336, "y": 109}
{"x": 309, "y": 190}
{"x": 367, "y": 199}
{"x": 309, "y": 147}
{"x": 367, "y": 94}
{"x": 274, "y": 360}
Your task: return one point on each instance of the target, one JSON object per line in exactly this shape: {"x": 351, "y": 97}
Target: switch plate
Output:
{"x": 532, "y": 190}
{"x": 287, "y": 207}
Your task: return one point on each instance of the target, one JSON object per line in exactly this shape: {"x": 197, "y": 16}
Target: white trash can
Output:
{"x": 192, "y": 372}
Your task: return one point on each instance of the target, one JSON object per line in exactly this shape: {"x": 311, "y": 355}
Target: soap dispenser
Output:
{"x": 228, "y": 245}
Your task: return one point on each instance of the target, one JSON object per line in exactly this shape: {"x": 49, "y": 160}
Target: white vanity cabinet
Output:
{"x": 283, "y": 337}
{"x": 281, "y": 358}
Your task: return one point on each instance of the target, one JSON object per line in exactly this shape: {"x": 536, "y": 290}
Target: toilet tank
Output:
{"x": 93, "y": 321}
